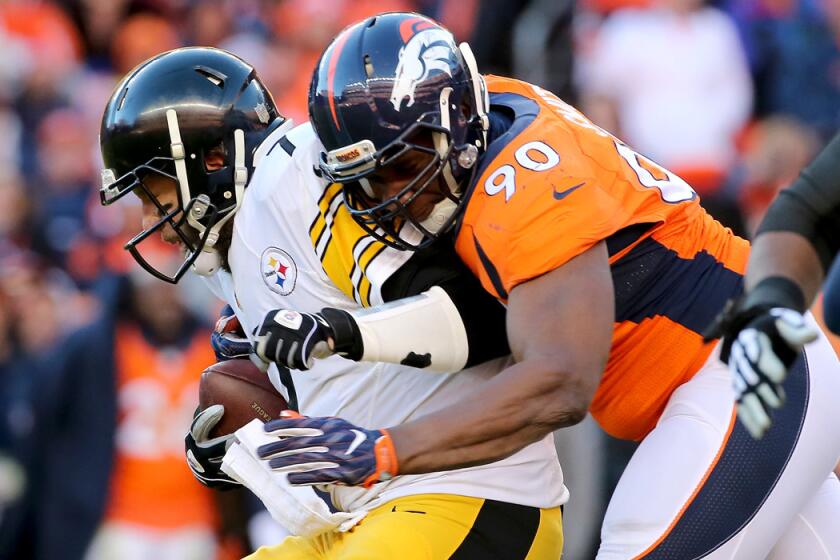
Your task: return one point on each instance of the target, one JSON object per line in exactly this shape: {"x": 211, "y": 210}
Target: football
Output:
{"x": 244, "y": 391}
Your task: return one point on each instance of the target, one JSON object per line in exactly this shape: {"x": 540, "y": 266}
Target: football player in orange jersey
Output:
{"x": 610, "y": 271}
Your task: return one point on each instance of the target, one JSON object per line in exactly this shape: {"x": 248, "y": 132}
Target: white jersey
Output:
{"x": 295, "y": 246}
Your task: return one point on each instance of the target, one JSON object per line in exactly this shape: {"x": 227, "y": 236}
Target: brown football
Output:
{"x": 244, "y": 391}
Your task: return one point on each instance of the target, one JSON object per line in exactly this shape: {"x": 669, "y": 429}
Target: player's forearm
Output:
{"x": 518, "y": 407}
{"x": 787, "y": 254}
{"x": 810, "y": 207}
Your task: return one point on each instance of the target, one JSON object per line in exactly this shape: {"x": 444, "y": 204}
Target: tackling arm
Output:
{"x": 453, "y": 324}
{"x": 560, "y": 330}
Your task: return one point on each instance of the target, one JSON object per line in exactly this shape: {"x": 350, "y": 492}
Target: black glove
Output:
{"x": 292, "y": 339}
{"x": 204, "y": 456}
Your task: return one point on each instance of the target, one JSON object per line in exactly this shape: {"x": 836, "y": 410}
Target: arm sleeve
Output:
{"x": 811, "y": 205}
{"x": 483, "y": 316}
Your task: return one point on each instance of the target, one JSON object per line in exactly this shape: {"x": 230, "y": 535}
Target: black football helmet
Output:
{"x": 163, "y": 118}
{"x": 393, "y": 84}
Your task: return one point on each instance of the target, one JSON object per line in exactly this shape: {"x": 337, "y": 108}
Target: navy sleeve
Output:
{"x": 80, "y": 453}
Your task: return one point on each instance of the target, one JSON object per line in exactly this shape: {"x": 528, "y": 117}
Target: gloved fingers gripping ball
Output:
{"x": 204, "y": 454}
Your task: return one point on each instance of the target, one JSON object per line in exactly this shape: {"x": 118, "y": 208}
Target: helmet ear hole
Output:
{"x": 215, "y": 158}
{"x": 466, "y": 109}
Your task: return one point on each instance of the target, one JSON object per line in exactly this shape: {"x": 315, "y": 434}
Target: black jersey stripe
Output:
{"x": 653, "y": 280}
{"x": 741, "y": 480}
{"x": 501, "y": 530}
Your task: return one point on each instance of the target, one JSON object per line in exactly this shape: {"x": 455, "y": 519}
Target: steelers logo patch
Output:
{"x": 279, "y": 271}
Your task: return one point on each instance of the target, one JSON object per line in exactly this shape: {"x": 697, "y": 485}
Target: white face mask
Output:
{"x": 442, "y": 211}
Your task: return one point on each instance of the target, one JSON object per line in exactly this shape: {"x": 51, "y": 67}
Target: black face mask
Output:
{"x": 175, "y": 218}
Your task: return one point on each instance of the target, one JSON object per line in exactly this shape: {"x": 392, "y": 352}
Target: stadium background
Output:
{"x": 98, "y": 362}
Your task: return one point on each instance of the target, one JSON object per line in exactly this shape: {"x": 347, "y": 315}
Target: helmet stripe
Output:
{"x": 336, "y": 54}
{"x": 410, "y": 27}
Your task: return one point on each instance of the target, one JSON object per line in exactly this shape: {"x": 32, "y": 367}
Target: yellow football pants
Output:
{"x": 435, "y": 527}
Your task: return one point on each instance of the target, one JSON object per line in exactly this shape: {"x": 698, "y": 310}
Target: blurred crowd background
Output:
{"x": 99, "y": 363}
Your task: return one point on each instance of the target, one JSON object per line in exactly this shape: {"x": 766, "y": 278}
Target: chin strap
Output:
{"x": 441, "y": 212}
{"x": 207, "y": 263}
{"x": 442, "y": 146}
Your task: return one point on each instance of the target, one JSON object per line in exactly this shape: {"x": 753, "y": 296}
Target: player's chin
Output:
{"x": 169, "y": 237}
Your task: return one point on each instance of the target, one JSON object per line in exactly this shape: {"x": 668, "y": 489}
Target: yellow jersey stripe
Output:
{"x": 345, "y": 249}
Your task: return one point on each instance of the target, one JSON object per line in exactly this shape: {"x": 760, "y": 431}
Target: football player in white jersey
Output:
{"x": 186, "y": 132}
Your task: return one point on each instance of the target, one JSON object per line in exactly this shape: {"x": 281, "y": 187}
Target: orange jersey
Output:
{"x": 157, "y": 393}
{"x": 553, "y": 185}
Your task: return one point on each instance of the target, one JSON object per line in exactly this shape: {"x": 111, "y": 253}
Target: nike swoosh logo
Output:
{"x": 357, "y": 441}
{"x": 394, "y": 510}
{"x": 560, "y": 195}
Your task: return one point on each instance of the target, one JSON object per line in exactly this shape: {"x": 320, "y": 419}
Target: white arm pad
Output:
{"x": 422, "y": 331}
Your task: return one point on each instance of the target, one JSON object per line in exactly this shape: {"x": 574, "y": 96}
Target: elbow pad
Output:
{"x": 423, "y": 331}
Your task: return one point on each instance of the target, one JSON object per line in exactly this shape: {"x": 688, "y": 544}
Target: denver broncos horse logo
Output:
{"x": 427, "y": 47}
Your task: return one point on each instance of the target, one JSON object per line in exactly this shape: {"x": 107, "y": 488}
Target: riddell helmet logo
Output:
{"x": 427, "y": 47}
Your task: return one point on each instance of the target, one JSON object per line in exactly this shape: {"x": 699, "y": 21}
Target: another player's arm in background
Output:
{"x": 799, "y": 237}
{"x": 764, "y": 330}
{"x": 560, "y": 329}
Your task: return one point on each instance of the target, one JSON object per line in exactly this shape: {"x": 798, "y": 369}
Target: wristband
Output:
{"x": 775, "y": 291}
